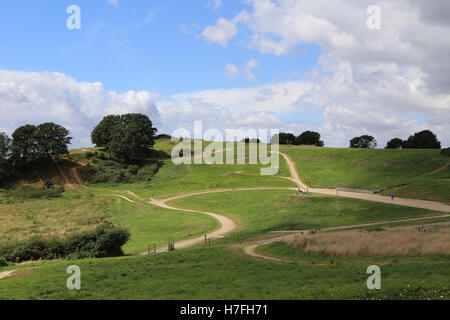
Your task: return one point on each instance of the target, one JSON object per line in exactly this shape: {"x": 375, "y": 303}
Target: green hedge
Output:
{"x": 105, "y": 241}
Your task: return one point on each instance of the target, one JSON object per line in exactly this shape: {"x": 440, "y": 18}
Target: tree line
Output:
{"x": 425, "y": 139}
{"x": 309, "y": 138}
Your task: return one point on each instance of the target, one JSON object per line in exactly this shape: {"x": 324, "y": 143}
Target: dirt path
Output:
{"x": 423, "y": 204}
{"x": 226, "y": 224}
{"x": 294, "y": 175}
{"x": 6, "y": 274}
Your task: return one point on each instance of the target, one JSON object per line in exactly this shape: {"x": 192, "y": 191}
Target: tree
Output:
{"x": 285, "y": 138}
{"x": 52, "y": 139}
{"x": 128, "y": 137}
{"x": 365, "y": 142}
{"x": 395, "y": 143}
{"x": 423, "y": 140}
{"x": 103, "y": 132}
{"x": 5, "y": 146}
{"x": 24, "y": 144}
{"x": 309, "y": 138}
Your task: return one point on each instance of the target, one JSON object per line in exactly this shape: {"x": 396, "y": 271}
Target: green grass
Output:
{"x": 260, "y": 211}
{"x": 216, "y": 273}
{"x": 420, "y": 171}
{"x": 78, "y": 211}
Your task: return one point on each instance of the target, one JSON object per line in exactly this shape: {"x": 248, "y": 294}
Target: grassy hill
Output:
{"x": 410, "y": 173}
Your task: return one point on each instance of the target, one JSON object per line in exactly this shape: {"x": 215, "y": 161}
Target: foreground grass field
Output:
{"x": 260, "y": 211}
{"x": 218, "y": 273}
{"x": 81, "y": 210}
{"x": 421, "y": 174}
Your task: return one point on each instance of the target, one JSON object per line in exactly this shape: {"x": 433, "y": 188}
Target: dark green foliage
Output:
{"x": 422, "y": 140}
{"x": 103, "y": 132}
{"x": 127, "y": 137}
{"x": 48, "y": 184}
{"x": 105, "y": 241}
{"x": 24, "y": 144}
{"x": 5, "y": 144}
{"x": 363, "y": 142}
{"x": 395, "y": 143}
{"x": 446, "y": 152}
{"x": 309, "y": 138}
{"x": 285, "y": 138}
{"x": 163, "y": 136}
{"x": 3, "y": 262}
{"x": 146, "y": 173}
{"x": 32, "y": 192}
{"x": 51, "y": 139}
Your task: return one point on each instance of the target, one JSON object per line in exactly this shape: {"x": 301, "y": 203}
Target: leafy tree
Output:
{"x": 24, "y": 144}
{"x": 365, "y": 142}
{"x": 309, "y": 138}
{"x": 248, "y": 140}
{"x": 52, "y": 139}
{"x": 286, "y": 138}
{"x": 103, "y": 132}
{"x": 423, "y": 140}
{"x": 395, "y": 143}
{"x": 128, "y": 137}
{"x": 5, "y": 146}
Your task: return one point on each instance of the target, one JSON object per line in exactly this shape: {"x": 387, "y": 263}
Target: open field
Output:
{"x": 417, "y": 174}
{"x": 218, "y": 273}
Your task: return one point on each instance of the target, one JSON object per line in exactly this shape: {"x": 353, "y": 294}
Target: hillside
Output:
{"x": 409, "y": 173}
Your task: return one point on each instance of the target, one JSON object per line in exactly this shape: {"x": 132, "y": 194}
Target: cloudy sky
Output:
{"x": 294, "y": 65}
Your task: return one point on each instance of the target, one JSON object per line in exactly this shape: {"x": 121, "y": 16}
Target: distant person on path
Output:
{"x": 299, "y": 191}
{"x": 392, "y": 195}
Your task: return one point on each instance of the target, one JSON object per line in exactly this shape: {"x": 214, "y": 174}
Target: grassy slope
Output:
{"x": 216, "y": 273}
{"x": 78, "y": 211}
{"x": 375, "y": 169}
{"x": 177, "y": 179}
{"x": 264, "y": 210}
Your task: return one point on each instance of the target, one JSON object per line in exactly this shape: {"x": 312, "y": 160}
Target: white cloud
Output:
{"x": 214, "y": 4}
{"x": 115, "y": 3}
{"x": 389, "y": 82}
{"x": 32, "y": 97}
{"x": 232, "y": 71}
{"x": 222, "y": 32}
{"x": 249, "y": 66}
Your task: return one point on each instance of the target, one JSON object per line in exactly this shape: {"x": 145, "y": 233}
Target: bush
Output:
{"x": 133, "y": 169}
{"x": 48, "y": 184}
{"x": 32, "y": 192}
{"x": 446, "y": 152}
{"x": 146, "y": 173}
{"x": 3, "y": 262}
{"x": 89, "y": 155}
{"x": 104, "y": 241}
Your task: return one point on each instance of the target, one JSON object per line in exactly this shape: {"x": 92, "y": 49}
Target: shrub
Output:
{"x": 104, "y": 241}
{"x": 146, "y": 173}
{"x": 48, "y": 184}
{"x": 32, "y": 192}
{"x": 89, "y": 155}
{"x": 133, "y": 169}
{"x": 3, "y": 262}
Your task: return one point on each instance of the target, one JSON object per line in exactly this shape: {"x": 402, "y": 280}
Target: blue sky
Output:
{"x": 139, "y": 45}
{"x": 283, "y": 64}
